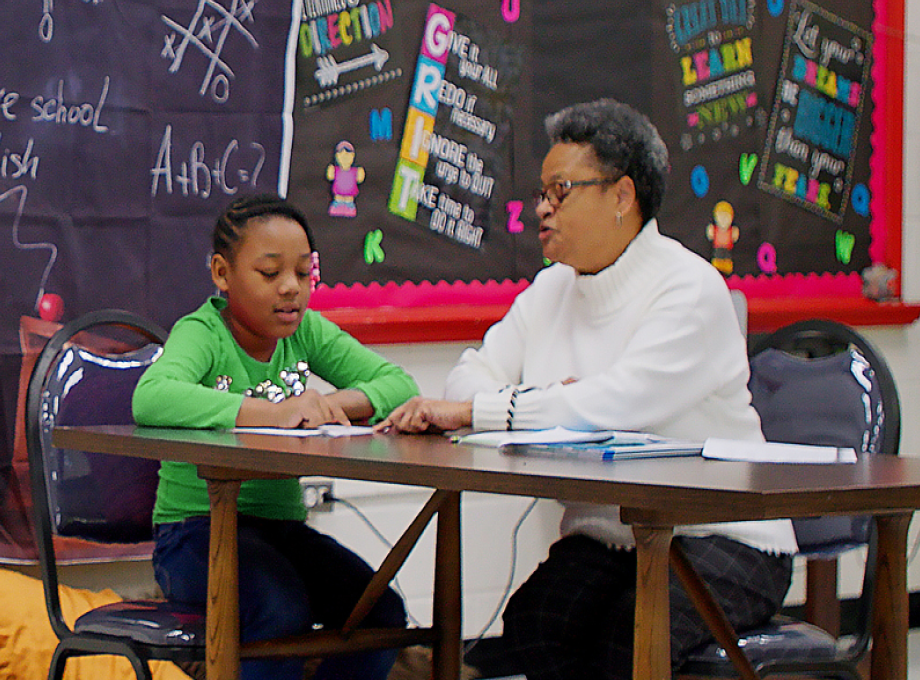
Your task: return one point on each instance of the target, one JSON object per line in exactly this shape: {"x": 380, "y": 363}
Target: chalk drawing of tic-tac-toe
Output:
{"x": 208, "y": 32}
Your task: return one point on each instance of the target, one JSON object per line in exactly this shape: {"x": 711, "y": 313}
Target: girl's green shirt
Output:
{"x": 179, "y": 390}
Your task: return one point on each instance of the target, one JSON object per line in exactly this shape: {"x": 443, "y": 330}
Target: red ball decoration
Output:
{"x": 51, "y": 307}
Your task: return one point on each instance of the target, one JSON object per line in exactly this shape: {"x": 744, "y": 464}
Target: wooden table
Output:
{"x": 654, "y": 494}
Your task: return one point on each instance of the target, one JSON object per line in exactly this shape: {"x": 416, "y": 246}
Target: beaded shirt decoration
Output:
{"x": 293, "y": 383}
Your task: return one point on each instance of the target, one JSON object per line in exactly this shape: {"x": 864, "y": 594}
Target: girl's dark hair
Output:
{"x": 624, "y": 141}
{"x": 232, "y": 222}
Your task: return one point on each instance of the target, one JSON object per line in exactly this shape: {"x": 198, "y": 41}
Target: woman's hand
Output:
{"x": 420, "y": 414}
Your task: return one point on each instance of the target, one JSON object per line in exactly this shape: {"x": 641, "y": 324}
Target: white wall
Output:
{"x": 901, "y": 346}
{"x": 488, "y": 522}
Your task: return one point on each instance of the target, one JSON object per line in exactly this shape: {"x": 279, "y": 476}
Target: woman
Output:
{"x": 627, "y": 330}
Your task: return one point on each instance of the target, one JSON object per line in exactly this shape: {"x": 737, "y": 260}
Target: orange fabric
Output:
{"x": 27, "y": 641}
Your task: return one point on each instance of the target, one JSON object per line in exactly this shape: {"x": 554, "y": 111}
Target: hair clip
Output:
{"x": 314, "y": 270}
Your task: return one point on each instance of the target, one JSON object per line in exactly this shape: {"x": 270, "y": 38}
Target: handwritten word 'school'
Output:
{"x": 58, "y": 110}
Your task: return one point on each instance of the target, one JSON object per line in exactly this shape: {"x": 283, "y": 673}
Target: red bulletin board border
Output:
{"x": 462, "y": 312}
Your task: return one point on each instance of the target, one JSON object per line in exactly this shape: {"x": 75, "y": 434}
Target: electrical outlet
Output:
{"x": 316, "y": 491}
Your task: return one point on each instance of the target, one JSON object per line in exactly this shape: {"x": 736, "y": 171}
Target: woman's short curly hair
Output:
{"x": 624, "y": 141}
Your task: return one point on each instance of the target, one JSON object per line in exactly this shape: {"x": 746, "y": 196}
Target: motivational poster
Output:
{"x": 345, "y": 47}
{"x": 714, "y": 48}
{"x": 818, "y": 111}
{"x": 456, "y": 140}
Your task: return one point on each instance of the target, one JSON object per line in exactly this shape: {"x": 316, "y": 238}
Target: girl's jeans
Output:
{"x": 292, "y": 579}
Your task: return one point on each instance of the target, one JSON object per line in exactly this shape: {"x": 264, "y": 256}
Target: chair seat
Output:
{"x": 779, "y": 640}
{"x": 154, "y": 622}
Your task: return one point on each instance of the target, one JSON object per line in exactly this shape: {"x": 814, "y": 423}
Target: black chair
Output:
{"x": 817, "y": 382}
{"x": 85, "y": 375}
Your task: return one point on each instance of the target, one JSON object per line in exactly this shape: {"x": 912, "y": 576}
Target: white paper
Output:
{"x": 774, "y": 452}
{"x": 331, "y": 430}
{"x": 556, "y": 435}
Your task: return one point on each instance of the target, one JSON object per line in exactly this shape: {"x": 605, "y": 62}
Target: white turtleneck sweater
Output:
{"x": 654, "y": 345}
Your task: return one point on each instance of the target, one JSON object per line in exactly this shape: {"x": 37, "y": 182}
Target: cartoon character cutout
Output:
{"x": 723, "y": 235}
{"x": 345, "y": 178}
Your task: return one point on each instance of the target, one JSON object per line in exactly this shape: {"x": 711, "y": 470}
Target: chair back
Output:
{"x": 739, "y": 302}
{"x": 85, "y": 375}
{"x": 819, "y": 382}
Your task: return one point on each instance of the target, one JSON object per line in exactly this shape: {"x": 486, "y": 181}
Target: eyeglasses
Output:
{"x": 557, "y": 192}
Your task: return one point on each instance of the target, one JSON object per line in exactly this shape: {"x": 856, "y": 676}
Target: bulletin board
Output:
{"x": 430, "y": 107}
{"x": 782, "y": 118}
{"x": 410, "y": 132}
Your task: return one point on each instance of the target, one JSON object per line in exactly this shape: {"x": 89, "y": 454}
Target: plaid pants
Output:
{"x": 573, "y": 618}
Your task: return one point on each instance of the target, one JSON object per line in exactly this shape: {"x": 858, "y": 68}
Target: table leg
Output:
{"x": 448, "y": 610}
{"x": 223, "y": 609}
{"x": 890, "y": 619}
{"x": 711, "y": 612}
{"x": 652, "y": 643}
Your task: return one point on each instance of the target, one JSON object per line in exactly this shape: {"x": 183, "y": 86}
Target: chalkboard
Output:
{"x": 410, "y": 132}
{"x": 125, "y": 127}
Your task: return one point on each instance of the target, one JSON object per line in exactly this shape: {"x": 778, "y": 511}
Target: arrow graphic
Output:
{"x": 328, "y": 70}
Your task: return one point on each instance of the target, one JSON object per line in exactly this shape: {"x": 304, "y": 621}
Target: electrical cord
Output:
{"x": 328, "y": 497}
{"x": 913, "y": 551}
{"x": 501, "y": 603}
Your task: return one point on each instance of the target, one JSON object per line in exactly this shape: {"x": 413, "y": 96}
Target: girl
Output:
{"x": 243, "y": 359}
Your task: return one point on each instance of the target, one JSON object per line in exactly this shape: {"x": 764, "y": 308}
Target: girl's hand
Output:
{"x": 428, "y": 415}
{"x": 310, "y": 409}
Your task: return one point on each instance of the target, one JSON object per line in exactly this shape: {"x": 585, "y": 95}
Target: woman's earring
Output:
{"x": 619, "y": 219}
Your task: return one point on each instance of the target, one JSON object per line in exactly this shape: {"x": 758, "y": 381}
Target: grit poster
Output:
{"x": 412, "y": 153}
